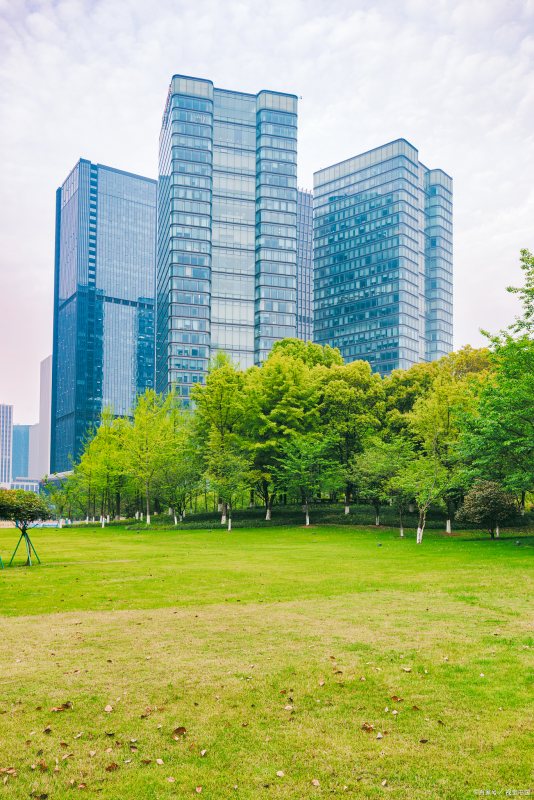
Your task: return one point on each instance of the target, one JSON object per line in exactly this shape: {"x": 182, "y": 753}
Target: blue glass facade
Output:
{"x": 226, "y": 239}
{"x": 20, "y": 460}
{"x": 305, "y": 265}
{"x": 383, "y": 258}
{"x": 103, "y": 352}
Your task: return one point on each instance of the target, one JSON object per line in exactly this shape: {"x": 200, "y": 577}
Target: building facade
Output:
{"x": 226, "y": 241}
{"x": 103, "y": 352}
{"x": 6, "y": 444}
{"x": 383, "y": 258}
{"x": 20, "y": 452}
{"x": 305, "y": 265}
{"x": 45, "y": 413}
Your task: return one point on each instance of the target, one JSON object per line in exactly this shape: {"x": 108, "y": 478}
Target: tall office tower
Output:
{"x": 226, "y": 250}
{"x": 6, "y": 444}
{"x": 45, "y": 408}
{"x": 103, "y": 301}
{"x": 383, "y": 258}
{"x": 20, "y": 452}
{"x": 305, "y": 265}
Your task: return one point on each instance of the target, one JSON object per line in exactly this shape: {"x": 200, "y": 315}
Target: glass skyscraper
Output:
{"x": 103, "y": 301}
{"x": 227, "y": 228}
{"x": 304, "y": 265}
{"x": 21, "y": 452}
{"x": 383, "y": 258}
{"x": 6, "y": 444}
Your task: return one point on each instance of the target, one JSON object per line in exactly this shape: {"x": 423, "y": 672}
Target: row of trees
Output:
{"x": 305, "y": 425}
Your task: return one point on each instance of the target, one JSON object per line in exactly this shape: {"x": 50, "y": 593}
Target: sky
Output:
{"x": 89, "y": 78}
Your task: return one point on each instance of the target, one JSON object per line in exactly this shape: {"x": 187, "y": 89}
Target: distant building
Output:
{"x": 383, "y": 258}
{"x": 27, "y": 484}
{"x": 304, "y": 265}
{"x": 103, "y": 301}
{"x": 20, "y": 451}
{"x": 45, "y": 412}
{"x": 34, "y": 468}
{"x": 6, "y": 444}
{"x": 227, "y": 206}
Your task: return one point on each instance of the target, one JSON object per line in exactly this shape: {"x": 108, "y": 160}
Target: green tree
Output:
{"x": 23, "y": 508}
{"x": 228, "y": 471}
{"x": 435, "y": 418}
{"x": 309, "y": 353}
{"x": 282, "y": 402}
{"x": 525, "y": 323}
{"x": 180, "y": 471}
{"x": 351, "y": 408}
{"x": 424, "y": 479}
{"x": 487, "y": 504}
{"x": 305, "y": 468}
{"x": 497, "y": 440}
{"x": 374, "y": 469}
{"x": 144, "y": 440}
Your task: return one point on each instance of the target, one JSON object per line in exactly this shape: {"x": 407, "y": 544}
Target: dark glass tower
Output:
{"x": 103, "y": 301}
{"x": 226, "y": 243}
{"x": 305, "y": 265}
{"x": 383, "y": 258}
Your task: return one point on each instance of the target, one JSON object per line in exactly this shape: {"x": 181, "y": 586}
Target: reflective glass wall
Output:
{"x": 104, "y": 301}
{"x": 383, "y": 258}
{"x": 305, "y": 265}
{"x": 226, "y": 243}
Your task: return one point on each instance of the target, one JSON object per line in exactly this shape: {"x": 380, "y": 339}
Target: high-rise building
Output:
{"x": 45, "y": 410}
{"x": 304, "y": 265}
{"x": 20, "y": 452}
{"x": 6, "y": 444}
{"x": 103, "y": 301}
{"x": 34, "y": 467}
{"x": 383, "y": 258}
{"x": 226, "y": 249}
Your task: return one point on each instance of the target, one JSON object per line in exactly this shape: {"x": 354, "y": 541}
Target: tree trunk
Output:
{"x": 229, "y": 517}
{"x": 269, "y": 508}
{"x": 377, "y": 515}
{"x": 307, "y": 513}
{"x": 251, "y": 499}
{"x": 175, "y": 518}
{"x": 147, "y": 506}
{"x": 347, "y": 501}
{"x": 223, "y": 513}
{"x": 421, "y": 526}
{"x": 102, "y": 522}
{"x": 401, "y": 525}
{"x": 448, "y": 526}
{"x": 497, "y": 532}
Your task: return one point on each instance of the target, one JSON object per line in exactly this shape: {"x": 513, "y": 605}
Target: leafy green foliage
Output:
{"x": 488, "y": 505}
{"x": 22, "y": 507}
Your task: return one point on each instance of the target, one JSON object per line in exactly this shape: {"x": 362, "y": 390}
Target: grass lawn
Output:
{"x": 273, "y": 649}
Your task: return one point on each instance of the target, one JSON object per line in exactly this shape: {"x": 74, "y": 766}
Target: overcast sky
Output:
{"x": 88, "y": 78}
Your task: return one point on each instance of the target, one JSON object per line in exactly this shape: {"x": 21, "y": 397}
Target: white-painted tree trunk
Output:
{"x": 223, "y": 516}
{"x": 219, "y": 507}
{"x": 268, "y": 513}
{"x": 148, "y": 519}
{"x": 107, "y": 519}
{"x": 419, "y": 535}
{"x": 87, "y": 520}
{"x": 497, "y": 532}
{"x": 137, "y": 515}
{"x": 229, "y": 522}
{"x": 401, "y": 532}
{"x": 93, "y": 519}
{"x": 377, "y": 519}
{"x": 60, "y": 523}
{"x": 307, "y": 515}
{"x": 102, "y": 522}
{"x": 175, "y": 519}
{"x": 347, "y": 509}
{"x": 448, "y": 526}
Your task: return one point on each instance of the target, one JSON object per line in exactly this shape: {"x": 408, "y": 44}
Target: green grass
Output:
{"x": 219, "y": 633}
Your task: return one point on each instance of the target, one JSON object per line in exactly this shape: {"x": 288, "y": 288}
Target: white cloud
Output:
{"x": 84, "y": 78}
